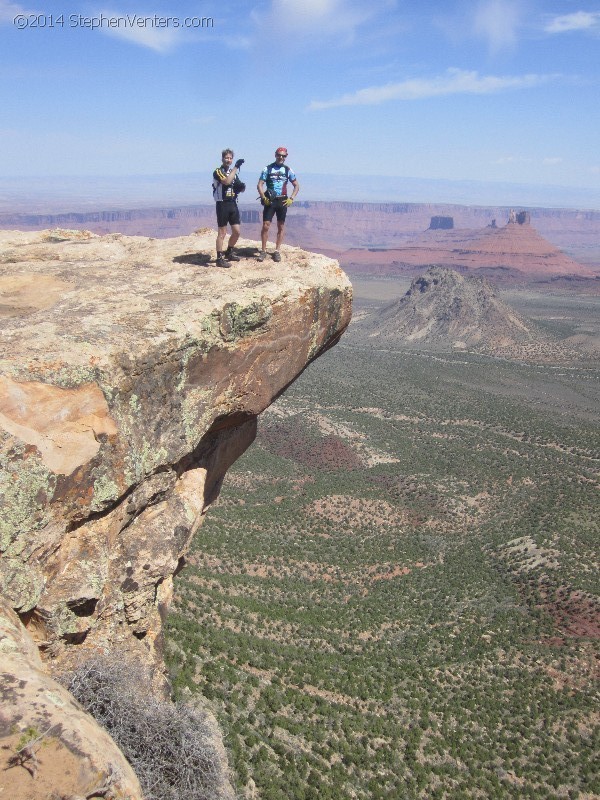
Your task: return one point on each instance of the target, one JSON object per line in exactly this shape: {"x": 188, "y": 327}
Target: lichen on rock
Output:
{"x": 129, "y": 383}
{"x": 125, "y": 395}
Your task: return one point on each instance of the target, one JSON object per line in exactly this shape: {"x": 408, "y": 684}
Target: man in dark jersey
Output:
{"x": 226, "y": 187}
{"x": 272, "y": 187}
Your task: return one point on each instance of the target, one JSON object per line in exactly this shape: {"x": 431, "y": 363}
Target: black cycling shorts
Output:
{"x": 276, "y": 207}
{"x": 227, "y": 212}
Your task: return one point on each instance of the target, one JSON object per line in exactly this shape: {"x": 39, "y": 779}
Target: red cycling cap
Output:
{"x": 281, "y": 150}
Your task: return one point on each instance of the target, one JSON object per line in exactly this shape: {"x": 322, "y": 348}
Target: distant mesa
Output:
{"x": 249, "y": 216}
{"x": 513, "y": 253}
{"x": 450, "y": 310}
{"x": 520, "y": 218}
{"x": 441, "y": 223}
{"x": 387, "y": 238}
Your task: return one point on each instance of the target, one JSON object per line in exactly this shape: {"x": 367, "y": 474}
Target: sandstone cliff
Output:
{"x": 131, "y": 376}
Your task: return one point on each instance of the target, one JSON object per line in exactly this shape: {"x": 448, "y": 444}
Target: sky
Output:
{"x": 491, "y": 90}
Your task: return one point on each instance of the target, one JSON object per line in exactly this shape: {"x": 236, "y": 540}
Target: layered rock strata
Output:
{"x": 131, "y": 376}
{"x": 515, "y": 250}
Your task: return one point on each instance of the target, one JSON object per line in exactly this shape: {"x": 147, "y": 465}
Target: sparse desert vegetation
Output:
{"x": 396, "y": 595}
{"x": 171, "y": 746}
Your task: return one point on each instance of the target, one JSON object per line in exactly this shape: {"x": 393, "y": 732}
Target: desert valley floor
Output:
{"x": 396, "y": 594}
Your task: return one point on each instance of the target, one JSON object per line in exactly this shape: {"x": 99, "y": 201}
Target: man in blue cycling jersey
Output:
{"x": 272, "y": 187}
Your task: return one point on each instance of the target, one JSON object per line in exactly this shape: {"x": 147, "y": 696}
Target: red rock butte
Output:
{"x": 516, "y": 246}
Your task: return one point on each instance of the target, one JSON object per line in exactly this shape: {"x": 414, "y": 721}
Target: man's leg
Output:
{"x": 235, "y": 235}
{"x": 264, "y": 233}
{"x": 222, "y": 231}
{"x": 280, "y": 232}
{"x": 281, "y": 214}
{"x": 221, "y": 239}
{"x": 230, "y": 255}
{"x": 268, "y": 214}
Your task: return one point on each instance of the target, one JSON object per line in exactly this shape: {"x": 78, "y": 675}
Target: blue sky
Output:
{"x": 495, "y": 90}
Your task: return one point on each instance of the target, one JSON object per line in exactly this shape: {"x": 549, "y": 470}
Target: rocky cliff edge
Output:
{"x": 132, "y": 372}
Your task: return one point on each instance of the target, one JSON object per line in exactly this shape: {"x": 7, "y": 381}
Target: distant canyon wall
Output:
{"x": 335, "y": 226}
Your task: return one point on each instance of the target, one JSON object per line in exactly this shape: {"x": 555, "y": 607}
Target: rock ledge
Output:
{"x": 131, "y": 375}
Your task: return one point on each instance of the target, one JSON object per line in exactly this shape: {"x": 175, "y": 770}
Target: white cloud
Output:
{"x": 206, "y": 120}
{"x": 512, "y": 160}
{"x": 505, "y": 160}
{"x": 160, "y": 41}
{"x": 139, "y": 30}
{"x": 290, "y": 20}
{"x": 316, "y": 15}
{"x": 497, "y": 22}
{"x": 237, "y": 41}
{"x": 547, "y": 162}
{"x": 454, "y": 81}
{"x": 8, "y": 11}
{"x": 578, "y": 21}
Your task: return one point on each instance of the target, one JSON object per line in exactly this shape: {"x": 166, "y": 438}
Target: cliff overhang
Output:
{"x": 132, "y": 373}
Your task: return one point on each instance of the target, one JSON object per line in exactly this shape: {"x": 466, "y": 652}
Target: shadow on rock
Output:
{"x": 197, "y": 259}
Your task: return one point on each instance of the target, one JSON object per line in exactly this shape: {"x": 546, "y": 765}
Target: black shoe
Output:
{"x": 221, "y": 262}
{"x": 231, "y": 256}
{"x": 276, "y": 256}
{"x": 262, "y": 255}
